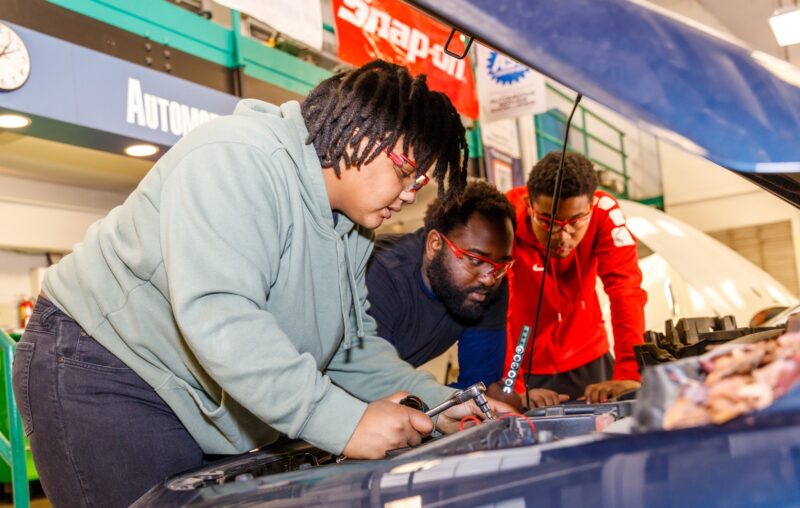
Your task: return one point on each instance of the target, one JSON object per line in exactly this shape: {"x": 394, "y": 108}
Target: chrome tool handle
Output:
{"x": 475, "y": 392}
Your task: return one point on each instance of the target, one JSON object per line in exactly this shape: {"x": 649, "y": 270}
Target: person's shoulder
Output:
{"x": 254, "y": 124}
{"x": 397, "y": 254}
{"x": 604, "y": 201}
{"x": 606, "y": 208}
{"x": 393, "y": 268}
{"x": 518, "y": 195}
{"x": 610, "y": 219}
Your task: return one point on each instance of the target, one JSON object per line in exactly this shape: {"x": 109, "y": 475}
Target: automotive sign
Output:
{"x": 391, "y": 31}
{"x": 107, "y": 94}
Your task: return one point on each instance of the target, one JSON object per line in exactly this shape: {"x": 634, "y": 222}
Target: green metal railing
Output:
{"x": 546, "y": 141}
{"x": 12, "y": 446}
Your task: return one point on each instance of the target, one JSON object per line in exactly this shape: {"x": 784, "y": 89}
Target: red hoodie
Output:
{"x": 571, "y": 329}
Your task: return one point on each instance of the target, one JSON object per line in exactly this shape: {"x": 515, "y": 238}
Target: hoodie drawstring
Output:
{"x": 558, "y": 291}
{"x": 356, "y": 306}
{"x": 580, "y": 281}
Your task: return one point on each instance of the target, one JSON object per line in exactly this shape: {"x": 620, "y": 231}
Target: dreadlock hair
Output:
{"x": 380, "y": 102}
{"x": 444, "y": 215}
{"x": 580, "y": 178}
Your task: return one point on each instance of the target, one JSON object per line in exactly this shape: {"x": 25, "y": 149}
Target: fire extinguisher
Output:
{"x": 25, "y": 311}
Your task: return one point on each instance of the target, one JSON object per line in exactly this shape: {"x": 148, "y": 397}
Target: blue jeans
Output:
{"x": 99, "y": 434}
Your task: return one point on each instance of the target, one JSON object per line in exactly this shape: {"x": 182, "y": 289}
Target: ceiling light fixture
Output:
{"x": 141, "y": 150}
{"x": 10, "y": 121}
{"x": 785, "y": 25}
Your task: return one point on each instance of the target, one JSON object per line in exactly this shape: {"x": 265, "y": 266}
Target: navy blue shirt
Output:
{"x": 416, "y": 322}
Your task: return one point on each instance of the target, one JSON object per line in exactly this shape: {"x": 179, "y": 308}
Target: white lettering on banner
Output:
{"x": 153, "y": 112}
{"x": 414, "y": 43}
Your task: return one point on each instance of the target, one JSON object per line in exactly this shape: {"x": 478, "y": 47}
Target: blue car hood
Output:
{"x": 736, "y": 107}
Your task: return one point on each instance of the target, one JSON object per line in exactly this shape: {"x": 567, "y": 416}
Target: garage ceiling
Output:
{"x": 747, "y": 20}
{"x": 43, "y": 160}
{"x": 49, "y": 161}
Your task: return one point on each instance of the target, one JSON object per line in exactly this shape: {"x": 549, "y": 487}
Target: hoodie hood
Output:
{"x": 518, "y": 197}
{"x": 312, "y": 190}
{"x": 293, "y": 137}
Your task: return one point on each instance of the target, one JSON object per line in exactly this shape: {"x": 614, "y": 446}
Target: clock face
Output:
{"x": 15, "y": 63}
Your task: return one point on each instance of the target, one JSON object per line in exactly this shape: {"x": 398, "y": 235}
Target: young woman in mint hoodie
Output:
{"x": 224, "y": 301}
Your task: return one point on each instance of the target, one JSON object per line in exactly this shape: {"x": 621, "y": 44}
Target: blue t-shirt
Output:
{"x": 416, "y": 322}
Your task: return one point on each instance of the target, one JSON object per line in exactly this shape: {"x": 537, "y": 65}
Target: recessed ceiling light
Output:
{"x": 785, "y": 25}
{"x": 10, "y": 121}
{"x": 141, "y": 150}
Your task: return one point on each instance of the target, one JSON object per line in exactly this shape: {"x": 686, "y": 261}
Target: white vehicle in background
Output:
{"x": 780, "y": 318}
{"x": 687, "y": 273}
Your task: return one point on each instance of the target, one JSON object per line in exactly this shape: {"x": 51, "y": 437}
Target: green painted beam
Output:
{"x": 279, "y": 68}
{"x": 168, "y": 24}
{"x": 161, "y": 22}
{"x": 655, "y": 201}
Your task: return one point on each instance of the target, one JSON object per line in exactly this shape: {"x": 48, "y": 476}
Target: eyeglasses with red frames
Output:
{"x": 478, "y": 266}
{"x": 571, "y": 226}
{"x": 400, "y": 160}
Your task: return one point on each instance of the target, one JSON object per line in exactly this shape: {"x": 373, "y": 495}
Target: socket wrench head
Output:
{"x": 483, "y": 404}
{"x": 471, "y": 392}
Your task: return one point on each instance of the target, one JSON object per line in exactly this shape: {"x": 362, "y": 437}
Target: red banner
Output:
{"x": 392, "y": 31}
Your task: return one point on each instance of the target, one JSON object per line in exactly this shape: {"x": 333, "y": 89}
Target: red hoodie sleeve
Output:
{"x": 618, "y": 268}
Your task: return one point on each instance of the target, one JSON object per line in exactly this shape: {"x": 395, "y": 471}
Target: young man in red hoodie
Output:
{"x": 571, "y": 352}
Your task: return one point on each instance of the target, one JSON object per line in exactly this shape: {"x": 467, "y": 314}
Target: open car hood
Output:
{"x": 704, "y": 91}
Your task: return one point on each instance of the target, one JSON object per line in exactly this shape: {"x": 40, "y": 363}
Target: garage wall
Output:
{"x": 35, "y": 218}
{"x": 714, "y": 199}
{"x": 15, "y": 283}
{"x": 768, "y": 246}
{"x": 45, "y": 217}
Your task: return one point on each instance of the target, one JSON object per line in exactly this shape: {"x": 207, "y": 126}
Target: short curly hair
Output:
{"x": 444, "y": 215}
{"x": 580, "y": 177}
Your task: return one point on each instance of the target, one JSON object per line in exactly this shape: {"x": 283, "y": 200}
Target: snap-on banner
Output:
{"x": 394, "y": 32}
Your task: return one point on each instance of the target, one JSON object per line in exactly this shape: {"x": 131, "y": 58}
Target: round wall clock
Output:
{"x": 15, "y": 63}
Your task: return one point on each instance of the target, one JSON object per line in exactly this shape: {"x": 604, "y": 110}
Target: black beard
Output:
{"x": 455, "y": 299}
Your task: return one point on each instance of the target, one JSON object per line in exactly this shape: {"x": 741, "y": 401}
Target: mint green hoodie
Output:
{"x": 223, "y": 282}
